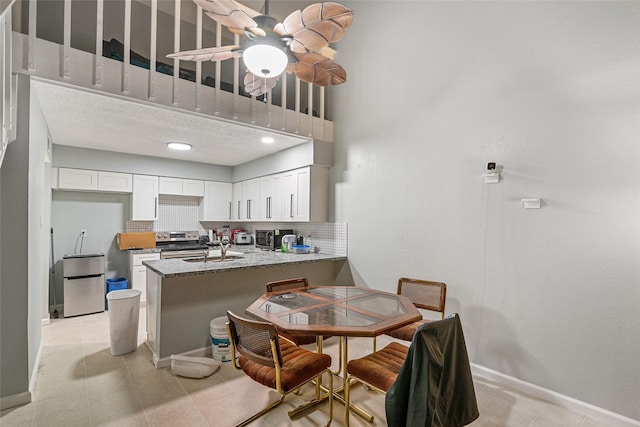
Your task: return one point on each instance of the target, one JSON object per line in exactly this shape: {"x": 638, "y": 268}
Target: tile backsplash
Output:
{"x": 180, "y": 213}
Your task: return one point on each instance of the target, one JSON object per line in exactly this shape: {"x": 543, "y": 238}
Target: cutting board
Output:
{"x": 136, "y": 240}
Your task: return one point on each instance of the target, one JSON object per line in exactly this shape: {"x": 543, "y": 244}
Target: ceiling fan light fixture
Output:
{"x": 265, "y": 60}
{"x": 181, "y": 146}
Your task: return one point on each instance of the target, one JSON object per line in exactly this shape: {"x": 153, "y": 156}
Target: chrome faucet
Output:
{"x": 223, "y": 251}
{"x": 206, "y": 254}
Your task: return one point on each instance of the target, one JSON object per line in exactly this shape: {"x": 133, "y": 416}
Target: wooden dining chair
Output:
{"x": 377, "y": 371}
{"x": 275, "y": 362}
{"x": 300, "y": 282}
{"x": 430, "y": 380}
{"x": 423, "y": 294}
{"x": 283, "y": 285}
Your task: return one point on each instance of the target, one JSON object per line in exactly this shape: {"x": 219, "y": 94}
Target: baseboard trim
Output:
{"x": 36, "y": 366}
{"x": 15, "y": 400}
{"x": 45, "y": 321}
{"x": 561, "y": 400}
{"x": 199, "y": 352}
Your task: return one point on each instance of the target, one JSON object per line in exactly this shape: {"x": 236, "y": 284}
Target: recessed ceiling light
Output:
{"x": 268, "y": 140}
{"x": 179, "y": 146}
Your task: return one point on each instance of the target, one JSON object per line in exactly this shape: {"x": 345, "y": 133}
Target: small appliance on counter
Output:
{"x": 242, "y": 238}
{"x": 288, "y": 241}
{"x": 270, "y": 239}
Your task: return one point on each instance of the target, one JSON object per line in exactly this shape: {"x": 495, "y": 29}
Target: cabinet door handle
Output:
{"x": 291, "y": 206}
{"x": 239, "y": 209}
{"x": 230, "y": 206}
{"x": 249, "y": 209}
{"x": 269, "y": 207}
{"x": 155, "y": 208}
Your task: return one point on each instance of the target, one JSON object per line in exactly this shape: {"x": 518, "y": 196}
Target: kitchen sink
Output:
{"x": 214, "y": 259}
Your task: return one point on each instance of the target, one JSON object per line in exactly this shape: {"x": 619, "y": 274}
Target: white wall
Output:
{"x": 549, "y": 91}
{"x": 23, "y": 272}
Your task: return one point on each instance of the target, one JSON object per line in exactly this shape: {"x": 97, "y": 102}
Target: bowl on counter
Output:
{"x": 301, "y": 249}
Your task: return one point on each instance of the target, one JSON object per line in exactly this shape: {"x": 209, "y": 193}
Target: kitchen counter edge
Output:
{"x": 167, "y": 268}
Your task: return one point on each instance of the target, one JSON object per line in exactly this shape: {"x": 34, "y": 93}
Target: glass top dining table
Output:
{"x": 335, "y": 310}
{"x": 343, "y": 311}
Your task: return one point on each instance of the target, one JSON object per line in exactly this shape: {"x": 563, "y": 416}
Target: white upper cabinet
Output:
{"x": 115, "y": 182}
{"x": 171, "y": 186}
{"x": 251, "y": 199}
{"x": 216, "y": 203}
{"x": 144, "y": 200}
{"x": 237, "y": 211}
{"x": 305, "y": 194}
{"x": 193, "y": 187}
{"x": 181, "y": 187}
{"x": 77, "y": 179}
{"x": 271, "y": 197}
{"x": 91, "y": 180}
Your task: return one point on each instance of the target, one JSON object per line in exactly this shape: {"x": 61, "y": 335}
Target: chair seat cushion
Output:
{"x": 298, "y": 366}
{"x": 380, "y": 369}
{"x": 406, "y": 333}
{"x": 299, "y": 339}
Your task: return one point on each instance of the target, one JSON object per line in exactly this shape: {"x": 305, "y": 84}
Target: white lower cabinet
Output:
{"x": 138, "y": 272}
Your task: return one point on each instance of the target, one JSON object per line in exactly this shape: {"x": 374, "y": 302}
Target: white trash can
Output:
{"x": 124, "y": 312}
{"x": 220, "y": 344}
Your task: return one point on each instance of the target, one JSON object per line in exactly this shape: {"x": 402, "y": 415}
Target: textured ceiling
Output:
{"x": 88, "y": 119}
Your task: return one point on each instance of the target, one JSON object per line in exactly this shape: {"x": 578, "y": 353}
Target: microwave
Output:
{"x": 270, "y": 239}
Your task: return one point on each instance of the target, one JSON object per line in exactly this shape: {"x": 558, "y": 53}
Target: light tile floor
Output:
{"x": 80, "y": 384}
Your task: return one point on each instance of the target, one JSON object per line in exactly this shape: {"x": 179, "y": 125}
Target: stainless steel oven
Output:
{"x": 270, "y": 239}
{"x": 180, "y": 244}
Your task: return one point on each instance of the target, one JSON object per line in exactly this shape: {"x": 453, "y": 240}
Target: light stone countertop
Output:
{"x": 251, "y": 258}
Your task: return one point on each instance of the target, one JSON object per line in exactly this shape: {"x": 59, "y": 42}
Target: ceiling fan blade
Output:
{"x": 232, "y": 15}
{"x": 256, "y": 86}
{"x": 318, "y": 69}
{"x": 316, "y": 26}
{"x": 207, "y": 54}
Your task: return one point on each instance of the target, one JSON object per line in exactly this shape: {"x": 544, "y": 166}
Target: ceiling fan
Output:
{"x": 269, "y": 47}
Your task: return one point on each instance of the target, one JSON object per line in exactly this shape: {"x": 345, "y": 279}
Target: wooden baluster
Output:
{"x": 126, "y": 65}
{"x": 98, "y": 60}
{"x": 310, "y": 108}
{"x": 218, "y": 68}
{"x": 66, "y": 43}
{"x": 322, "y": 110}
{"x": 297, "y": 106}
{"x": 283, "y": 101}
{"x": 198, "y": 63}
{"x": 236, "y": 79}
{"x": 176, "y": 48}
{"x": 31, "y": 57}
{"x": 153, "y": 41}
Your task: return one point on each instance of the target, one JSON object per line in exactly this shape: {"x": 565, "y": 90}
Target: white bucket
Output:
{"x": 220, "y": 344}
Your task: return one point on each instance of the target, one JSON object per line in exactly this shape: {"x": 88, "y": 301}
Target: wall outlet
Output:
{"x": 83, "y": 233}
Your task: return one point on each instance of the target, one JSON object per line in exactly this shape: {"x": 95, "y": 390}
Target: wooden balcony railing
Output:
{"x": 144, "y": 73}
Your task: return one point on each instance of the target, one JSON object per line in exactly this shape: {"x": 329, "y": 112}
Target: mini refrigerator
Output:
{"x": 83, "y": 283}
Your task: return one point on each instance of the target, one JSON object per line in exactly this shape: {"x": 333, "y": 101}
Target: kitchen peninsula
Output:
{"x": 183, "y": 296}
